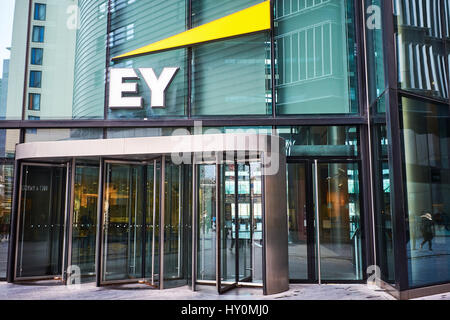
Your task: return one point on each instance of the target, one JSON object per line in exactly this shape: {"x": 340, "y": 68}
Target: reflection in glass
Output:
{"x": 6, "y": 185}
{"x": 316, "y": 62}
{"x": 421, "y": 48}
{"x": 425, "y": 131}
{"x": 297, "y": 227}
{"x": 84, "y": 221}
{"x": 41, "y": 221}
{"x": 339, "y": 221}
{"x": 207, "y": 222}
{"x": 320, "y": 141}
{"x": 123, "y": 221}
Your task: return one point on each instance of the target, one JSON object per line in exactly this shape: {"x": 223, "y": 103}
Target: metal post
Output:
{"x": 316, "y": 196}
{"x": 218, "y": 226}
{"x": 194, "y": 223}
{"x": 98, "y": 245}
{"x": 162, "y": 223}
{"x": 154, "y": 222}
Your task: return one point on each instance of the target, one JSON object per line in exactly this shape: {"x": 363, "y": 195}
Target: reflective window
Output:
{"x": 35, "y": 79}
{"x": 320, "y": 141}
{"x": 34, "y": 101}
{"x": 316, "y": 63}
{"x": 40, "y": 11}
{"x": 38, "y": 33}
{"x": 425, "y": 132}
{"x": 421, "y": 49}
{"x": 37, "y": 135}
{"x": 8, "y": 141}
{"x": 36, "y": 56}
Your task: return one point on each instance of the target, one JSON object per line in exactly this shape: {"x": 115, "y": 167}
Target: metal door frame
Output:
{"x": 64, "y": 250}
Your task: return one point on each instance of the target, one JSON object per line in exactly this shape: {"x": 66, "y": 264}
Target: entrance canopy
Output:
{"x": 151, "y": 146}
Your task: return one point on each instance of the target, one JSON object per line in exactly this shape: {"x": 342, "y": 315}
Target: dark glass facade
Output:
{"x": 358, "y": 90}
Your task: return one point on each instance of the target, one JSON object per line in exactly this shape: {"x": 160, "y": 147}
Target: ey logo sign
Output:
{"x": 251, "y": 20}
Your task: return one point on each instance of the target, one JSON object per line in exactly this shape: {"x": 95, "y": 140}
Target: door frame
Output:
{"x": 103, "y": 175}
{"x": 313, "y": 260}
{"x": 65, "y": 165}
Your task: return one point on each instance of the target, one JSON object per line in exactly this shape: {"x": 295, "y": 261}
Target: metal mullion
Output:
{"x": 99, "y": 237}
{"x": 218, "y": 227}
{"x": 144, "y": 220}
{"x": 162, "y": 223}
{"x": 194, "y": 222}
{"x": 236, "y": 215}
{"x": 317, "y": 215}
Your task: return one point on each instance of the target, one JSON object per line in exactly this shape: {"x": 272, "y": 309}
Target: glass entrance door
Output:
{"x": 229, "y": 215}
{"x": 324, "y": 221}
{"x": 41, "y": 221}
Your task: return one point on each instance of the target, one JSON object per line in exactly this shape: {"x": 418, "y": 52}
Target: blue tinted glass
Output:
{"x": 39, "y": 11}
{"x": 34, "y": 102}
{"x": 35, "y": 79}
{"x": 36, "y": 56}
{"x": 38, "y": 34}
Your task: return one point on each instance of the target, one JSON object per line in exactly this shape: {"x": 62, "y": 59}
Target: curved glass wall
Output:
{"x": 90, "y": 60}
{"x": 315, "y": 55}
{"x": 426, "y": 138}
{"x": 135, "y": 24}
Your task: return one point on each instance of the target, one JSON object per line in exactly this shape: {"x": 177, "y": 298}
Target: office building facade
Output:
{"x": 313, "y": 148}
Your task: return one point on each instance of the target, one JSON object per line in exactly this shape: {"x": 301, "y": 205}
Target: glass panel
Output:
{"x": 207, "y": 223}
{"x": 420, "y": 48}
{"x": 152, "y": 222}
{"x": 175, "y": 232}
{"x": 90, "y": 61}
{"x": 297, "y": 219}
{"x": 41, "y": 222}
{"x": 425, "y": 132}
{"x": 227, "y": 215}
{"x": 217, "y": 68}
{"x": 37, "y": 135}
{"x": 6, "y": 186}
{"x": 315, "y": 43}
{"x": 40, "y": 11}
{"x": 136, "y": 24}
{"x": 244, "y": 224}
{"x": 36, "y": 56}
{"x": 123, "y": 221}
{"x": 375, "y": 53}
{"x": 8, "y": 140}
{"x": 339, "y": 221}
{"x": 320, "y": 141}
{"x": 84, "y": 221}
{"x": 256, "y": 221}
{"x": 382, "y": 199}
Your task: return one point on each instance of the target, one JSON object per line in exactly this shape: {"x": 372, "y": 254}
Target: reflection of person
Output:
{"x": 427, "y": 230}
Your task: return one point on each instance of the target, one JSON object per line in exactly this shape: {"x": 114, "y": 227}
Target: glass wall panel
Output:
{"x": 6, "y": 186}
{"x": 8, "y": 140}
{"x": 374, "y": 50}
{"x": 230, "y": 77}
{"x": 420, "y": 48}
{"x": 297, "y": 221}
{"x": 207, "y": 223}
{"x": 144, "y": 132}
{"x": 41, "y": 221}
{"x": 41, "y": 135}
{"x": 316, "y": 62}
{"x": 320, "y": 141}
{"x": 339, "y": 221}
{"x": 84, "y": 220}
{"x": 382, "y": 203}
{"x": 135, "y": 24}
{"x": 90, "y": 60}
{"x": 123, "y": 232}
{"x": 426, "y": 143}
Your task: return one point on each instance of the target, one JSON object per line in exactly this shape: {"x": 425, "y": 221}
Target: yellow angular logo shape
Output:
{"x": 251, "y": 20}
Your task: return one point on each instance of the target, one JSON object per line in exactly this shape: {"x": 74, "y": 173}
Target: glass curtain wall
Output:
{"x": 426, "y": 142}
{"x": 6, "y": 186}
{"x": 316, "y": 62}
